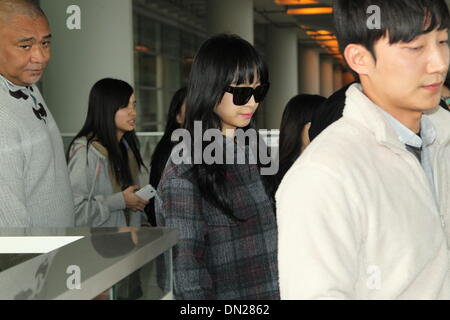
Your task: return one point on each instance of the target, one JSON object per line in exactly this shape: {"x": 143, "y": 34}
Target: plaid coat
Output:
{"x": 217, "y": 257}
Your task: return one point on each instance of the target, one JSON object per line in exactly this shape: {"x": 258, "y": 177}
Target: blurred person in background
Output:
{"x": 104, "y": 160}
{"x": 294, "y": 131}
{"x": 446, "y": 93}
{"x": 175, "y": 120}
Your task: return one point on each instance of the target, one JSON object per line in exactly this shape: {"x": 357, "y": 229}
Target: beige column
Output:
{"x": 309, "y": 69}
{"x": 231, "y": 16}
{"x": 282, "y": 60}
{"x": 326, "y": 76}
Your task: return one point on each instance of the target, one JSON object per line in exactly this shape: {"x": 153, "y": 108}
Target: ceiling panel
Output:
{"x": 266, "y": 12}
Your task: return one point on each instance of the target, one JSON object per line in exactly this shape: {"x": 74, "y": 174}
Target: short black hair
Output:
{"x": 402, "y": 20}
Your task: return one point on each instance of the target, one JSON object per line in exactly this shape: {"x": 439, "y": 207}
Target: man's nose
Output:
{"x": 38, "y": 55}
{"x": 439, "y": 60}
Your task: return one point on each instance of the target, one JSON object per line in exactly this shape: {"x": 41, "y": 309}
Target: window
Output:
{"x": 163, "y": 58}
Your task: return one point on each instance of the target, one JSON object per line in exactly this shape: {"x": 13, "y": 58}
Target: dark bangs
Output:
{"x": 421, "y": 18}
{"x": 221, "y": 60}
{"x": 403, "y": 20}
{"x": 249, "y": 65}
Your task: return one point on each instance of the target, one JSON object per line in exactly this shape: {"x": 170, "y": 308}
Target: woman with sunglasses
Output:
{"x": 227, "y": 245}
{"x": 105, "y": 162}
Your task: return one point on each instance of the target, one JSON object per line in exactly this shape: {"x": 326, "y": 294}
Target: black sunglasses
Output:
{"x": 241, "y": 95}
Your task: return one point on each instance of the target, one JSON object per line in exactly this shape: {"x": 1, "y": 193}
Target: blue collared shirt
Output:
{"x": 427, "y": 137}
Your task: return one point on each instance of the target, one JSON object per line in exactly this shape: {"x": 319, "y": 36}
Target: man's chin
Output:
{"x": 32, "y": 80}
{"x": 430, "y": 107}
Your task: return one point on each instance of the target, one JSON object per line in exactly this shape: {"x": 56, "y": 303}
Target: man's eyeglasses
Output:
{"x": 242, "y": 95}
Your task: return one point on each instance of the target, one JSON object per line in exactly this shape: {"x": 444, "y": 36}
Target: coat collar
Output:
{"x": 359, "y": 108}
{"x": 15, "y": 89}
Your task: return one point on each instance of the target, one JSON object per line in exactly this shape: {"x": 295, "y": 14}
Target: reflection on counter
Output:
{"x": 151, "y": 282}
{"x": 104, "y": 264}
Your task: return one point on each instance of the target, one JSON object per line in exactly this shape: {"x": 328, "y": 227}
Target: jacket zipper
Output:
{"x": 438, "y": 206}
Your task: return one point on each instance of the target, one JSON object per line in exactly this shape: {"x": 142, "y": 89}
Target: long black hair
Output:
{"x": 298, "y": 112}
{"x": 328, "y": 112}
{"x": 222, "y": 60}
{"x": 162, "y": 151}
{"x": 107, "y": 96}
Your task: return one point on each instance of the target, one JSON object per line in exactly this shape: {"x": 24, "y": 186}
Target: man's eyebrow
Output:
{"x": 26, "y": 39}
{"x": 49, "y": 36}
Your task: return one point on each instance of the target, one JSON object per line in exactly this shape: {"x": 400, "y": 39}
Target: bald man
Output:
{"x": 34, "y": 183}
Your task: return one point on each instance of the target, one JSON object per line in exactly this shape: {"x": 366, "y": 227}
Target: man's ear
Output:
{"x": 358, "y": 58}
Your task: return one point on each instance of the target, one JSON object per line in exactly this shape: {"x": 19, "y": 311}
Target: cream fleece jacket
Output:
{"x": 356, "y": 215}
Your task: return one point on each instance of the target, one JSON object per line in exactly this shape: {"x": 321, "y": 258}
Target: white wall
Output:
{"x": 102, "y": 48}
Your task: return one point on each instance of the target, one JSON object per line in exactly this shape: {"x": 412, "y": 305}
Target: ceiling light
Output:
{"x": 320, "y": 38}
{"x": 292, "y": 2}
{"x": 141, "y": 48}
{"x": 310, "y": 11}
{"x": 330, "y": 43}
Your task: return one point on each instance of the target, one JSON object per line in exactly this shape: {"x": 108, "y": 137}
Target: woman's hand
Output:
{"x": 132, "y": 201}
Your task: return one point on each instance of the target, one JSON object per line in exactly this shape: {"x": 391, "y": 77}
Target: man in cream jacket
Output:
{"x": 364, "y": 212}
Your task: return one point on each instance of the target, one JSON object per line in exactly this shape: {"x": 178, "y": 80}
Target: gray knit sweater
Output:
{"x": 35, "y": 188}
